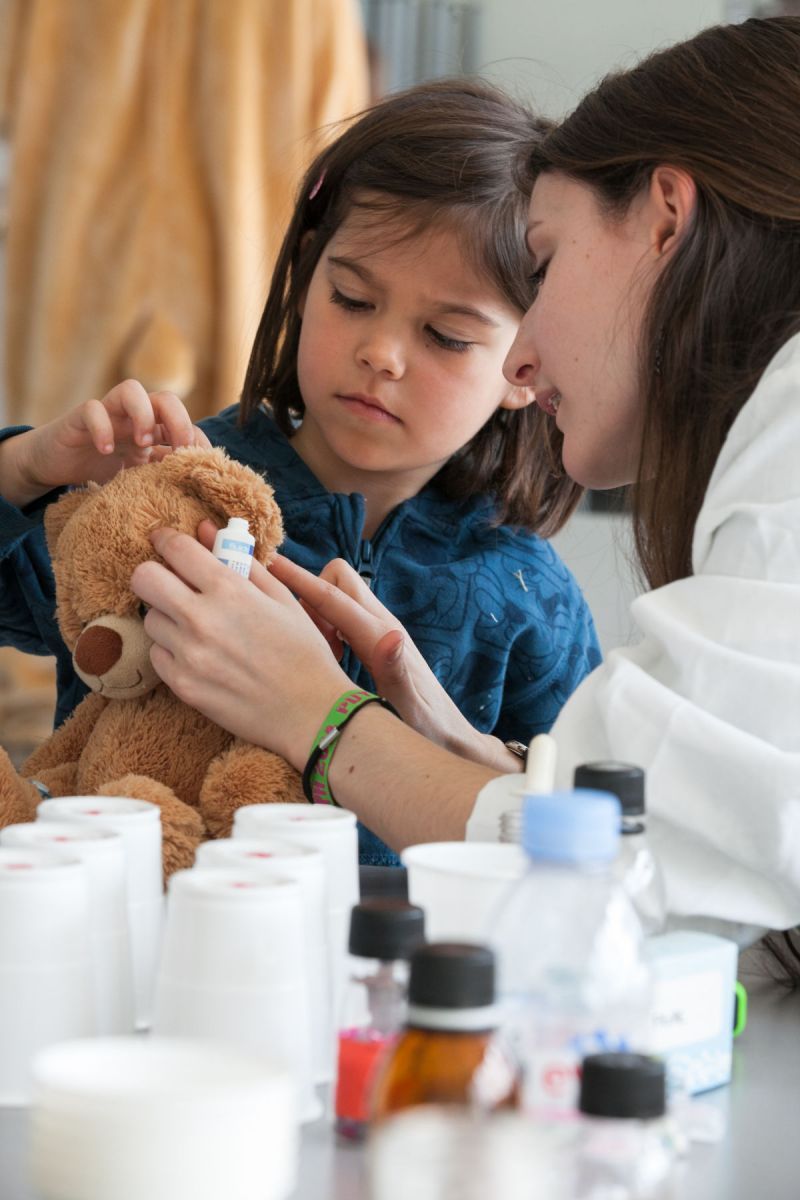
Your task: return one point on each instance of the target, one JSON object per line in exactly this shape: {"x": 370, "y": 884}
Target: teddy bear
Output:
{"x": 131, "y": 736}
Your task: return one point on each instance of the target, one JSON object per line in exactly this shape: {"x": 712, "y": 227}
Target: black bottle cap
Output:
{"x": 623, "y": 1085}
{"x": 386, "y": 928}
{"x": 451, "y": 975}
{"x": 621, "y": 779}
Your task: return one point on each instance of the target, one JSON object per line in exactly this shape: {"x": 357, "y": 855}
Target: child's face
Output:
{"x": 400, "y": 359}
{"x": 580, "y": 337}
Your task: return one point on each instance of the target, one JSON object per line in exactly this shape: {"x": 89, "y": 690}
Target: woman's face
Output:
{"x": 578, "y": 343}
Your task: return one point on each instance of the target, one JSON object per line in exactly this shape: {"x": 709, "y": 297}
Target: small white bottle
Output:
{"x": 623, "y": 1145}
{"x": 234, "y": 546}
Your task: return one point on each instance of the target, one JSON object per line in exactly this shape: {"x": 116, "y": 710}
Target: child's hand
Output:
{"x": 95, "y": 440}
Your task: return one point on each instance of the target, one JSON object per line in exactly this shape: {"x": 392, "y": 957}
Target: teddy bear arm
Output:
{"x": 245, "y": 774}
{"x": 66, "y": 743}
{"x": 18, "y": 797}
{"x": 59, "y": 781}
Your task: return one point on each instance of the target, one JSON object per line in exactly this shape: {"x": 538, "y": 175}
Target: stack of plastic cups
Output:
{"x": 278, "y": 859}
{"x": 332, "y": 831}
{"x": 103, "y": 853}
{"x": 459, "y": 885}
{"x": 139, "y": 823}
{"x": 232, "y": 969}
{"x": 129, "y": 1118}
{"x": 45, "y": 960}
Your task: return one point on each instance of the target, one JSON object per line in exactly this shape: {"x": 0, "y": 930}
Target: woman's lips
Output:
{"x": 368, "y": 407}
{"x": 549, "y": 401}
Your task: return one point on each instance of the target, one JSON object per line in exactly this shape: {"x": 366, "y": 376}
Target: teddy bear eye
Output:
{"x": 143, "y": 610}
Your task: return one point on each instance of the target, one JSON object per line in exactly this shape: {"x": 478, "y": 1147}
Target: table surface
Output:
{"x": 754, "y": 1159}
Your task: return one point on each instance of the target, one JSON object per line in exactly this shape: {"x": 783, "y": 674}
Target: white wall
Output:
{"x": 552, "y": 51}
{"x": 598, "y": 549}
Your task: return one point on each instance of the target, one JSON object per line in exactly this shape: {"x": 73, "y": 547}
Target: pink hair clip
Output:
{"x": 316, "y": 186}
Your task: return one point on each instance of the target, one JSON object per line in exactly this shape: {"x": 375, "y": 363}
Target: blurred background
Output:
{"x": 149, "y": 153}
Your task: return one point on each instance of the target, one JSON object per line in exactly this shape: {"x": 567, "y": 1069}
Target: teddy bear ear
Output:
{"x": 58, "y": 514}
{"x": 227, "y": 488}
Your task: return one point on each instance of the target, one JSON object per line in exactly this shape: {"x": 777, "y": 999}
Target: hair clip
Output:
{"x": 316, "y": 186}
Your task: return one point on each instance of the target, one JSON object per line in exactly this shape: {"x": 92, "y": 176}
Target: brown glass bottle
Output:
{"x": 447, "y": 1054}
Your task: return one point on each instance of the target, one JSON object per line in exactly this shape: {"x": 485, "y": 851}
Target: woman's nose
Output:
{"x": 521, "y": 362}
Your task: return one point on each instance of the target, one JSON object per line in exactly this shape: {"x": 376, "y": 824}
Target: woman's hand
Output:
{"x": 243, "y": 652}
{"x": 346, "y": 611}
{"x": 129, "y": 426}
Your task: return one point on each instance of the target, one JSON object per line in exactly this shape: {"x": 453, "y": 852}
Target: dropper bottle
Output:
{"x": 234, "y": 546}
{"x": 383, "y": 934}
{"x": 539, "y": 778}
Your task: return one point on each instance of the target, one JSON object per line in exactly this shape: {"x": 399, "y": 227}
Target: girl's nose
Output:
{"x": 382, "y": 353}
{"x": 521, "y": 362}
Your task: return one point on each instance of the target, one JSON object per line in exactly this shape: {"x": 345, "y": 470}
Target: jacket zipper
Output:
{"x": 364, "y": 563}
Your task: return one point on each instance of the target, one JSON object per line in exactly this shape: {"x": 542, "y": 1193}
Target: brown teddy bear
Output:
{"x": 131, "y": 736}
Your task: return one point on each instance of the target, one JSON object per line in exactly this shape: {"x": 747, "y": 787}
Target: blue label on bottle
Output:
{"x": 241, "y": 547}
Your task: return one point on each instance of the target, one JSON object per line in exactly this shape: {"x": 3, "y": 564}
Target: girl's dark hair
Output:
{"x": 452, "y": 152}
{"x": 725, "y": 107}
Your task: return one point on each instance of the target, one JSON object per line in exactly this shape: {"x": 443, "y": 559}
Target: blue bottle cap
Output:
{"x": 580, "y": 826}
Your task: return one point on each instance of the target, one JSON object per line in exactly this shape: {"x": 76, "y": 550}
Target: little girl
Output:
{"x": 376, "y": 406}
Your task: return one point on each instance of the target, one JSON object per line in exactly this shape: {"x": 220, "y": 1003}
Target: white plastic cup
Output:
{"x": 459, "y": 884}
{"x": 127, "y": 1118}
{"x": 103, "y": 853}
{"x": 139, "y": 823}
{"x": 233, "y": 969}
{"x": 46, "y": 991}
{"x": 333, "y": 831}
{"x": 275, "y": 858}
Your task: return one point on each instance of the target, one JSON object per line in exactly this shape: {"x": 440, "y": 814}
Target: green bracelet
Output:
{"x": 316, "y": 788}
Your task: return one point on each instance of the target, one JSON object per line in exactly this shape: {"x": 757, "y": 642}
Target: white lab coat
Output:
{"x": 708, "y": 701}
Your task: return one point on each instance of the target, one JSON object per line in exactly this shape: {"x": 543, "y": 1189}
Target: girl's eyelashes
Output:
{"x": 447, "y": 343}
{"x": 348, "y": 303}
{"x": 457, "y": 345}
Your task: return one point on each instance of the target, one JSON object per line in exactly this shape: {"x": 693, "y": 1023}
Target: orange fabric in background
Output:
{"x": 156, "y": 147}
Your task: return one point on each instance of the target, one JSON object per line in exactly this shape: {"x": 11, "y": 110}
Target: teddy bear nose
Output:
{"x": 97, "y": 650}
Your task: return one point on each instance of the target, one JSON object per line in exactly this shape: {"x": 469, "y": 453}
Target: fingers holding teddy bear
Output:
{"x": 93, "y": 441}
{"x": 243, "y": 652}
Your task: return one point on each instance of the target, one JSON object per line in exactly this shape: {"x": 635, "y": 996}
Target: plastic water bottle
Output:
{"x": 637, "y": 867}
{"x": 571, "y": 973}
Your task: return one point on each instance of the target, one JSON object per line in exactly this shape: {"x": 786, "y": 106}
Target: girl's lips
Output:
{"x": 367, "y": 407}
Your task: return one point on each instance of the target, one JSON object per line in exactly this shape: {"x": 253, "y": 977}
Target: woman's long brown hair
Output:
{"x": 725, "y": 107}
